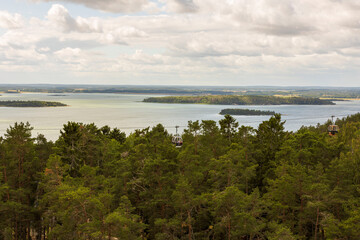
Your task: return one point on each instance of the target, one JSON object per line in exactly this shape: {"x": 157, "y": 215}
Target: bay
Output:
{"x": 127, "y": 112}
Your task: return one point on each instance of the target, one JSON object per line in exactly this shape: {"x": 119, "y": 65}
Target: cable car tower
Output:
{"x": 332, "y": 128}
{"x": 177, "y": 140}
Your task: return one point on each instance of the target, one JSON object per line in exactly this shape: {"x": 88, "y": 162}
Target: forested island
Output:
{"x": 245, "y": 112}
{"x": 239, "y": 100}
{"x": 19, "y": 103}
{"x": 226, "y": 182}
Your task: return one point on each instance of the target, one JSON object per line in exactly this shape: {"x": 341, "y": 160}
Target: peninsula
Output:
{"x": 245, "y": 112}
{"x": 31, "y": 104}
{"x": 239, "y": 100}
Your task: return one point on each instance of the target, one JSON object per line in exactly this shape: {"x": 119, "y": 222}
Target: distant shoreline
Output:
{"x": 186, "y": 92}
{"x": 338, "y": 93}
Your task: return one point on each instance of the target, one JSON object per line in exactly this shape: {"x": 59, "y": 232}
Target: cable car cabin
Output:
{"x": 333, "y": 129}
{"x": 177, "y": 141}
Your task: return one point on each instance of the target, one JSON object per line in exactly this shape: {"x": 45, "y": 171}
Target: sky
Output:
{"x": 181, "y": 42}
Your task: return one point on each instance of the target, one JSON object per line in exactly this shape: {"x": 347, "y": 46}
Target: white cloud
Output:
{"x": 10, "y": 21}
{"x": 12, "y": 59}
{"x": 127, "y": 6}
{"x": 181, "y": 6}
{"x": 44, "y": 49}
{"x": 118, "y": 35}
{"x": 94, "y": 28}
{"x": 78, "y": 60}
{"x": 61, "y": 18}
{"x": 68, "y": 54}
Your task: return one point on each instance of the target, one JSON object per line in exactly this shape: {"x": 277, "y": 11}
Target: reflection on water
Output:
{"x": 127, "y": 112}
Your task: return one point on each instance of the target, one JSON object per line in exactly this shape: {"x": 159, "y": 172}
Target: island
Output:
{"x": 31, "y": 104}
{"x": 13, "y": 91}
{"x": 240, "y": 100}
{"x": 245, "y": 112}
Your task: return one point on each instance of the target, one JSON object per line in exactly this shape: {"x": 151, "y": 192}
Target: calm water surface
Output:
{"x": 127, "y": 112}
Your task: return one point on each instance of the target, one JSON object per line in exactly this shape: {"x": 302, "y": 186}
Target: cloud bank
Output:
{"x": 230, "y": 42}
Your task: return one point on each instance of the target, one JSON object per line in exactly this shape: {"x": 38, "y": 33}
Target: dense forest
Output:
{"x": 19, "y": 103}
{"x": 240, "y": 100}
{"x": 247, "y": 112}
{"x": 226, "y": 182}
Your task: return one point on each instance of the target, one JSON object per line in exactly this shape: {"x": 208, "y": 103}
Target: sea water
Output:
{"x": 127, "y": 112}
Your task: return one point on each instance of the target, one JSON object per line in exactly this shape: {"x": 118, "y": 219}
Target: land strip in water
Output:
{"x": 31, "y": 104}
{"x": 245, "y": 112}
{"x": 239, "y": 100}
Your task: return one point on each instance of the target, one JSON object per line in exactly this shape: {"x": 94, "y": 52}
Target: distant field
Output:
{"x": 239, "y": 100}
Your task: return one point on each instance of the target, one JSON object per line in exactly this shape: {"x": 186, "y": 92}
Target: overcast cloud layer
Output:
{"x": 198, "y": 42}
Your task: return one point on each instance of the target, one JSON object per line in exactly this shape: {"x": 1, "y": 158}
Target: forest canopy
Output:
{"x": 226, "y": 182}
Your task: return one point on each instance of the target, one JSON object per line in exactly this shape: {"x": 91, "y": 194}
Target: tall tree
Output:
{"x": 20, "y": 168}
{"x": 228, "y": 126}
{"x": 270, "y": 135}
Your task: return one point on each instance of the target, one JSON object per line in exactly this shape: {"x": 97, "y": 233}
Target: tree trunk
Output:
{"x": 19, "y": 171}
{"x": 5, "y": 179}
{"x": 229, "y": 228}
{"x": 28, "y": 231}
{"x": 301, "y": 208}
{"x": 189, "y": 225}
{"x": 246, "y": 186}
{"x": 317, "y": 222}
{"x": 196, "y": 145}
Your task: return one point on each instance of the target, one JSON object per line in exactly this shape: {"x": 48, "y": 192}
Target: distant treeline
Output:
{"x": 148, "y": 91}
{"x": 238, "y": 111}
{"x": 128, "y": 91}
{"x": 240, "y": 100}
{"x": 30, "y": 104}
{"x": 329, "y": 92}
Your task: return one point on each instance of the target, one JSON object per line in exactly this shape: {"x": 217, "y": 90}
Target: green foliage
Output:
{"x": 228, "y": 126}
{"x": 270, "y": 136}
{"x": 226, "y": 182}
{"x": 237, "y": 214}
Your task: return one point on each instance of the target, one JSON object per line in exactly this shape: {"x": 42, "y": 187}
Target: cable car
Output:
{"x": 333, "y": 129}
{"x": 177, "y": 140}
